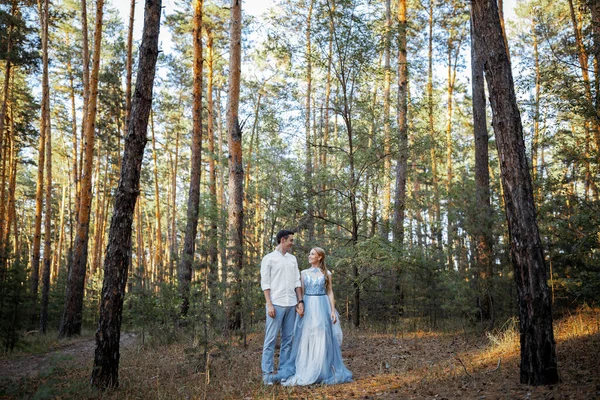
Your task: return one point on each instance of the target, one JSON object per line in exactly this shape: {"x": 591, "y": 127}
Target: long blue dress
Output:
{"x": 317, "y": 341}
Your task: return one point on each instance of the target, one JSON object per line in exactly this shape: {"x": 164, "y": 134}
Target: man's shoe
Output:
{"x": 268, "y": 379}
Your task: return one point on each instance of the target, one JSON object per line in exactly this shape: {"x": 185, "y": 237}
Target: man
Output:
{"x": 280, "y": 282}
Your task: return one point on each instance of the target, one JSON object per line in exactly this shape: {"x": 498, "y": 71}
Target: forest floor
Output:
{"x": 386, "y": 363}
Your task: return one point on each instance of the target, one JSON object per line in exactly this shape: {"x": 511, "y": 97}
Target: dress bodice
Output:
{"x": 314, "y": 282}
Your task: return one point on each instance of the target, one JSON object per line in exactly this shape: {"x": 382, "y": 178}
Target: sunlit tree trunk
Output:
{"x": 236, "y": 171}
{"x": 45, "y": 16}
{"x": 538, "y": 356}
{"x": 387, "y": 162}
{"x": 436, "y": 230}
{"x": 7, "y": 79}
{"x": 105, "y": 373}
{"x": 191, "y": 229}
{"x": 39, "y": 193}
{"x": 72, "y": 315}
{"x": 591, "y": 123}
{"x": 61, "y": 239}
{"x": 212, "y": 172}
{"x": 454, "y": 44}
{"x": 402, "y": 163}
{"x": 158, "y": 248}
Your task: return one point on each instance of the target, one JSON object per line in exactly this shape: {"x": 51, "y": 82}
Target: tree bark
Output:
{"x": 436, "y": 231}
{"x": 538, "y": 356}
{"x": 402, "y": 165}
{"x": 105, "y": 373}
{"x": 483, "y": 216}
{"x": 236, "y": 170}
{"x": 212, "y": 171}
{"x": 7, "y": 75}
{"x": 308, "y": 173}
{"x": 191, "y": 228}
{"x": 45, "y": 15}
{"x": 158, "y": 248}
{"x": 72, "y": 315}
{"x": 387, "y": 161}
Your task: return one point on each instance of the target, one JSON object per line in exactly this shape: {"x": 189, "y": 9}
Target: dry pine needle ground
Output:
{"x": 386, "y": 365}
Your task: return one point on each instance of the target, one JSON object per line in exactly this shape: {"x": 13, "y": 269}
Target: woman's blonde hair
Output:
{"x": 323, "y": 266}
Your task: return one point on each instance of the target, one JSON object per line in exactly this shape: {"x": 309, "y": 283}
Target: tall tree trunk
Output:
{"x": 402, "y": 164}
{"x": 191, "y": 228}
{"x": 483, "y": 216}
{"x": 45, "y": 15}
{"x": 105, "y": 373}
{"x": 39, "y": 193}
{"x": 158, "y": 248}
{"x": 591, "y": 123}
{"x": 436, "y": 230}
{"x": 236, "y": 170}
{"x": 61, "y": 238}
{"x": 538, "y": 356}
{"x": 212, "y": 171}
{"x": 308, "y": 173}
{"x": 72, "y": 316}
{"x": 595, "y": 12}
{"x": 387, "y": 163}
{"x": 7, "y": 76}
{"x": 536, "y": 115}
{"x": 454, "y": 44}
{"x": 75, "y": 164}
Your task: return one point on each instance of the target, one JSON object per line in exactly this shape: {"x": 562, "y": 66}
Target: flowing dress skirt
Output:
{"x": 317, "y": 346}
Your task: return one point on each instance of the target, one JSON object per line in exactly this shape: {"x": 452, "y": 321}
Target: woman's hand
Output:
{"x": 333, "y": 317}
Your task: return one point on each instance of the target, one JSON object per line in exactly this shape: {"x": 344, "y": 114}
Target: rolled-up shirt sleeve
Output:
{"x": 298, "y": 283}
{"x": 265, "y": 274}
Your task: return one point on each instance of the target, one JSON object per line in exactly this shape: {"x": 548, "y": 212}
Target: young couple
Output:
{"x": 302, "y": 308}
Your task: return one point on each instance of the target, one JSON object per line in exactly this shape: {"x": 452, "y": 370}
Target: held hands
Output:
{"x": 300, "y": 309}
{"x": 271, "y": 310}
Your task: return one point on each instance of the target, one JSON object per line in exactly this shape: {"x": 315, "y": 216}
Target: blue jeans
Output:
{"x": 284, "y": 321}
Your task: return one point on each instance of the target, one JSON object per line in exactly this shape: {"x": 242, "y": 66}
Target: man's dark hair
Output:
{"x": 284, "y": 233}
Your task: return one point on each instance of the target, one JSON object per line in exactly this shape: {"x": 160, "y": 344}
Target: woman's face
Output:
{"x": 313, "y": 257}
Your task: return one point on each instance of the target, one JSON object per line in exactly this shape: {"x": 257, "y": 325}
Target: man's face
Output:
{"x": 287, "y": 243}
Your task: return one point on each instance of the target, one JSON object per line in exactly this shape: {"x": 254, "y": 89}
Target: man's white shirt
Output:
{"x": 280, "y": 274}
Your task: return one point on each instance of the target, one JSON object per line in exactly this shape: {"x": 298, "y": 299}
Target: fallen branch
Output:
{"x": 497, "y": 366}
{"x": 465, "y": 368}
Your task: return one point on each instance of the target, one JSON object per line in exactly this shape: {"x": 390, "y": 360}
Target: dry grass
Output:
{"x": 386, "y": 365}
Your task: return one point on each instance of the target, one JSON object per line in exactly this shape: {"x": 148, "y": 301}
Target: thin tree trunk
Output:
{"x": 536, "y": 115}
{"x": 61, "y": 238}
{"x": 212, "y": 172}
{"x": 538, "y": 356}
{"x": 583, "y": 63}
{"x": 45, "y": 15}
{"x": 72, "y": 315}
{"x": 308, "y": 173}
{"x": 387, "y": 163}
{"x": 7, "y": 76}
{"x": 191, "y": 229}
{"x": 105, "y": 373}
{"x": 236, "y": 170}
{"x": 436, "y": 222}
{"x": 39, "y": 193}
{"x": 158, "y": 248}
{"x": 402, "y": 165}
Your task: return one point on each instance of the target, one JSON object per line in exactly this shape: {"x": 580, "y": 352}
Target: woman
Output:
{"x": 318, "y": 335}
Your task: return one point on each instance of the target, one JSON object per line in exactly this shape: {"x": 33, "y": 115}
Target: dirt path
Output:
{"x": 75, "y": 353}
